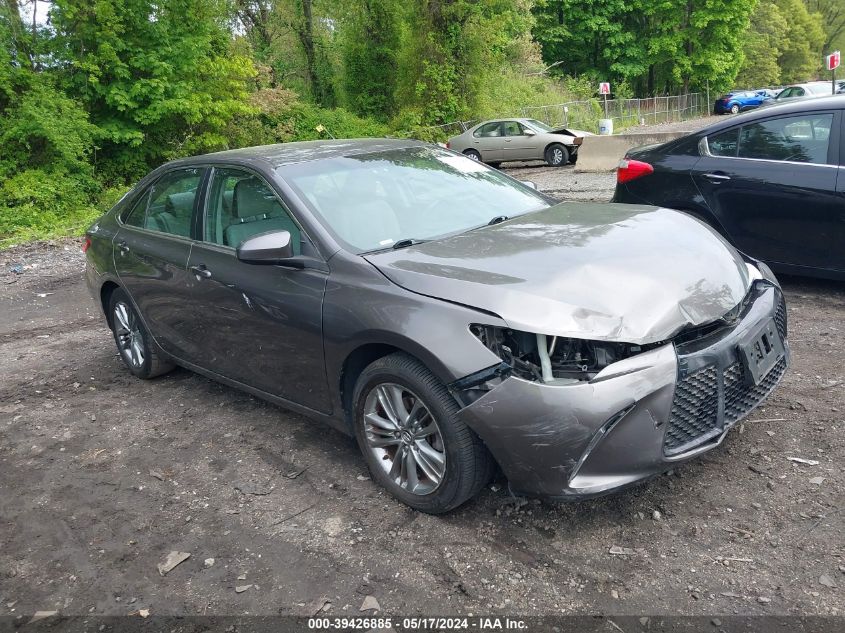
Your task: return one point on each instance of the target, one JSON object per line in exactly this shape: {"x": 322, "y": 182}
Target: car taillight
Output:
{"x": 86, "y": 244}
{"x": 632, "y": 169}
{"x": 448, "y": 145}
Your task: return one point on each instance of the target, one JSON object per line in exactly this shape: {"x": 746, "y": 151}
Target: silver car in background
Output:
{"x": 503, "y": 140}
{"x": 801, "y": 91}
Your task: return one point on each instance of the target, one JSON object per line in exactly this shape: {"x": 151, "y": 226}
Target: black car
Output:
{"x": 772, "y": 182}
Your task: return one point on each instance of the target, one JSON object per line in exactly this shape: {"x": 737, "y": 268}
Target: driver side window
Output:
{"x": 241, "y": 205}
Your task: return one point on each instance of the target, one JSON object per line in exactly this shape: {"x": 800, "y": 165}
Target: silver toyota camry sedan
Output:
{"x": 452, "y": 319}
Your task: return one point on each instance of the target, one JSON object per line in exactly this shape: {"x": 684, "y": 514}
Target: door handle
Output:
{"x": 123, "y": 247}
{"x": 717, "y": 178}
{"x": 201, "y": 272}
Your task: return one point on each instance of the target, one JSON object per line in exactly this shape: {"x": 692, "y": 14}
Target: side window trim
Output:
{"x": 206, "y": 201}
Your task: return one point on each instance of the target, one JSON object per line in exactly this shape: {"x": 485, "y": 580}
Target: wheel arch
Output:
{"x": 357, "y": 359}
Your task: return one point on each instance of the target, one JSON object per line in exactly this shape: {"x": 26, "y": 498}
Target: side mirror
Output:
{"x": 529, "y": 132}
{"x": 267, "y": 248}
{"x": 528, "y": 183}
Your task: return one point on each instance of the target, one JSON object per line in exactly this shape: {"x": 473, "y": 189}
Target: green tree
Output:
{"x": 158, "y": 78}
{"x": 801, "y": 54}
{"x": 832, "y": 13}
{"x": 764, "y": 44}
{"x": 370, "y": 50}
{"x": 656, "y": 45}
{"x": 296, "y": 40}
{"x": 452, "y": 49}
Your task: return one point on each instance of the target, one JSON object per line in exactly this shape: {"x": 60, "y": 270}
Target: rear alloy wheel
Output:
{"x": 134, "y": 344}
{"x": 413, "y": 442}
{"x": 735, "y": 108}
{"x": 473, "y": 154}
{"x": 556, "y": 155}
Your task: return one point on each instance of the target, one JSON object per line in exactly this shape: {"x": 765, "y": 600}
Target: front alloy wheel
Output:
{"x": 404, "y": 438}
{"x": 415, "y": 445}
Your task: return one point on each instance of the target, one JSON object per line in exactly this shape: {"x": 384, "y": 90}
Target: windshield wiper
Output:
{"x": 498, "y": 219}
{"x": 408, "y": 241}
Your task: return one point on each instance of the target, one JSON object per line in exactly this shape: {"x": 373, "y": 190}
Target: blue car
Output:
{"x": 736, "y": 102}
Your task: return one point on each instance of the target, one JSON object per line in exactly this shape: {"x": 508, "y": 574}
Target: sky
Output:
{"x": 42, "y": 7}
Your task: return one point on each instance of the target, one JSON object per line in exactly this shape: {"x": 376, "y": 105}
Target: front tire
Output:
{"x": 414, "y": 444}
{"x": 556, "y": 155}
{"x": 134, "y": 343}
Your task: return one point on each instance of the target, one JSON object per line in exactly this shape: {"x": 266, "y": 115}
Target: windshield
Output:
{"x": 539, "y": 126}
{"x": 372, "y": 201}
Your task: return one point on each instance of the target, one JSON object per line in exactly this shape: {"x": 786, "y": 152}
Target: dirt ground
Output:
{"x": 102, "y": 475}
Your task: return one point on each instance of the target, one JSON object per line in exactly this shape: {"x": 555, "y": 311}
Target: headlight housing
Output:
{"x": 565, "y": 361}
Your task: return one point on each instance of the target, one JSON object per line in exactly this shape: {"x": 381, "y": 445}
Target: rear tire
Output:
{"x": 473, "y": 154}
{"x": 735, "y": 108}
{"x": 134, "y": 343}
{"x": 415, "y": 446}
{"x": 556, "y": 155}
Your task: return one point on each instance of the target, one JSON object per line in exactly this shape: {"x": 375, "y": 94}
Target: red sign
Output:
{"x": 604, "y": 88}
{"x": 833, "y": 60}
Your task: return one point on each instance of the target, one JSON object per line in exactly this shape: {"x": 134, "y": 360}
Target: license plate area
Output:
{"x": 760, "y": 352}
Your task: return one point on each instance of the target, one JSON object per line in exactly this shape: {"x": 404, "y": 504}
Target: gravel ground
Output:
{"x": 102, "y": 475}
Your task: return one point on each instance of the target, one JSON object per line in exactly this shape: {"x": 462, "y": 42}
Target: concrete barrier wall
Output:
{"x": 603, "y": 153}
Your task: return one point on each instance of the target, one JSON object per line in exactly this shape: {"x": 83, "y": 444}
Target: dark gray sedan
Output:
{"x": 453, "y": 319}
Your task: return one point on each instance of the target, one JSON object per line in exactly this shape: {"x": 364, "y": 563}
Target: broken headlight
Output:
{"x": 553, "y": 359}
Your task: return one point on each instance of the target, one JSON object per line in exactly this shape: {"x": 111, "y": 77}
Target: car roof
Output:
{"x": 791, "y": 107}
{"x": 298, "y": 152}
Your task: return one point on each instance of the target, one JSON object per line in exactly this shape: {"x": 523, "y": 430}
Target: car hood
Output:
{"x": 571, "y": 132}
{"x": 613, "y": 272}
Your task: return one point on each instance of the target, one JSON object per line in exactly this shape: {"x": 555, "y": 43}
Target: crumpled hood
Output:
{"x": 613, "y": 272}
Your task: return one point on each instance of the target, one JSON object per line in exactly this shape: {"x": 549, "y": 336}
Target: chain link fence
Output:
{"x": 585, "y": 115}
{"x": 625, "y": 113}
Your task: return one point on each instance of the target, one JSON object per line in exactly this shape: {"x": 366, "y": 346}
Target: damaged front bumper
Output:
{"x": 636, "y": 418}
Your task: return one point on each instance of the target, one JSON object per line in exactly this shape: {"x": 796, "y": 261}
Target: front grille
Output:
{"x": 740, "y": 397}
{"x": 694, "y": 417}
{"x": 695, "y": 410}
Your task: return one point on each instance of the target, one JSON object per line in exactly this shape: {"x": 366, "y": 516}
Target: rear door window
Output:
{"x": 172, "y": 201}
{"x": 488, "y": 130}
{"x": 138, "y": 213}
{"x": 798, "y": 139}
